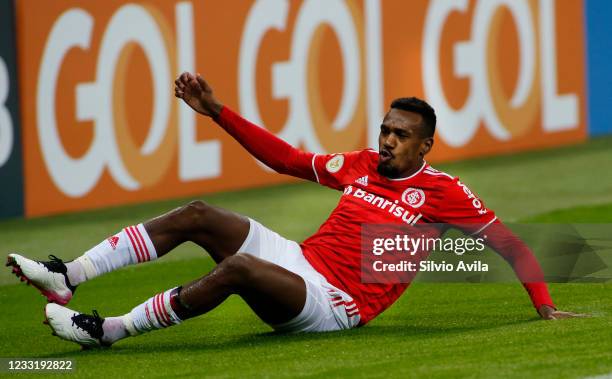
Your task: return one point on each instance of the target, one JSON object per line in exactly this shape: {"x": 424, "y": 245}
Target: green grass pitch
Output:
{"x": 434, "y": 330}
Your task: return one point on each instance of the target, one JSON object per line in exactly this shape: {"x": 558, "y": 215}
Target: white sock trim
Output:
{"x": 147, "y": 241}
{"x": 140, "y": 244}
{"x": 155, "y": 313}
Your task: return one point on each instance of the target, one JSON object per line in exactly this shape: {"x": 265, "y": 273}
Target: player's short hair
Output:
{"x": 416, "y": 105}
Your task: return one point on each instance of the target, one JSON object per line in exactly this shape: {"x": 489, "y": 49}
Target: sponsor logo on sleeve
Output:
{"x": 476, "y": 203}
{"x": 335, "y": 164}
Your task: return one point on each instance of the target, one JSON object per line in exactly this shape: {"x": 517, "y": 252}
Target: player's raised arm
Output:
{"x": 263, "y": 145}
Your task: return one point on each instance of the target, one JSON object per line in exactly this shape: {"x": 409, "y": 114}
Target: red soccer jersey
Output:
{"x": 428, "y": 196}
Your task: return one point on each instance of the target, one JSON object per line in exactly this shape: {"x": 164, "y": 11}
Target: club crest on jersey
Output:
{"x": 335, "y": 164}
{"x": 114, "y": 240}
{"x": 414, "y": 197}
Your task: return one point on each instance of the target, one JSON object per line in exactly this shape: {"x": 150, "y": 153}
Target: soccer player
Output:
{"x": 314, "y": 286}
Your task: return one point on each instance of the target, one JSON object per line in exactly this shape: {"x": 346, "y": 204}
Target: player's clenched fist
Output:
{"x": 196, "y": 93}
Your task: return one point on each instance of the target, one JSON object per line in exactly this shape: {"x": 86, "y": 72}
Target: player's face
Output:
{"x": 401, "y": 144}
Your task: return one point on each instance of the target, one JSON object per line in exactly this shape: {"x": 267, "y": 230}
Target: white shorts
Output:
{"x": 327, "y": 308}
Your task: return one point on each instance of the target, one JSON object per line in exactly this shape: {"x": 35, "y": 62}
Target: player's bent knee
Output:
{"x": 236, "y": 270}
{"x": 195, "y": 212}
{"x": 197, "y": 207}
{"x": 240, "y": 264}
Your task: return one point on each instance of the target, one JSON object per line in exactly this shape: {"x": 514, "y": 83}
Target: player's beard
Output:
{"x": 387, "y": 170}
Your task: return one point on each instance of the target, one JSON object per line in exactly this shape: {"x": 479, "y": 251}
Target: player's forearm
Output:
{"x": 265, "y": 146}
{"x": 522, "y": 260}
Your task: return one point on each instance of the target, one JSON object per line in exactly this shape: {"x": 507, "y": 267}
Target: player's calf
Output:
{"x": 274, "y": 293}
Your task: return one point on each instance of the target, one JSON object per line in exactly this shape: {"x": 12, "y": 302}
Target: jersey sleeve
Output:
{"x": 331, "y": 170}
{"x": 464, "y": 210}
{"x": 266, "y": 147}
{"x": 524, "y": 263}
{"x": 461, "y": 208}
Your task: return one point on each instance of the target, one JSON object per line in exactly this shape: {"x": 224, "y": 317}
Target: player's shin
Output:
{"x": 130, "y": 246}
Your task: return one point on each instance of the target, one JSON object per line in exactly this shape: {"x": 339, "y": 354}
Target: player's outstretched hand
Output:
{"x": 550, "y": 313}
{"x": 196, "y": 93}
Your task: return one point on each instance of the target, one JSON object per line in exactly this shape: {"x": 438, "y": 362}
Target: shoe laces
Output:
{"x": 57, "y": 265}
{"x": 91, "y": 324}
{"x": 55, "y": 259}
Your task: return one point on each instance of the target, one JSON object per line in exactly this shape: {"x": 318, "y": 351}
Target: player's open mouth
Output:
{"x": 385, "y": 156}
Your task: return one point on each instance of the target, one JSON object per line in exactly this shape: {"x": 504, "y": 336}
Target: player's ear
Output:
{"x": 426, "y": 146}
